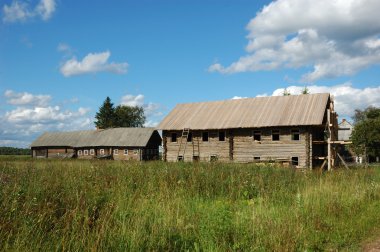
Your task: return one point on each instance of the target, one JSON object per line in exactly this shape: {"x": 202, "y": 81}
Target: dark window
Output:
{"x": 174, "y": 137}
{"x": 213, "y": 158}
{"x": 295, "y": 161}
{"x": 257, "y": 135}
{"x": 256, "y": 158}
{"x": 275, "y": 135}
{"x": 205, "y": 136}
{"x": 190, "y": 137}
{"x": 222, "y": 136}
{"x": 296, "y": 135}
{"x": 180, "y": 158}
{"x": 196, "y": 158}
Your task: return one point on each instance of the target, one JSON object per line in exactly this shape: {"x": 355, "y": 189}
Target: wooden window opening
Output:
{"x": 213, "y": 158}
{"x": 190, "y": 137}
{"x": 174, "y": 137}
{"x": 116, "y": 151}
{"x": 275, "y": 135}
{"x": 92, "y": 152}
{"x": 79, "y": 152}
{"x": 125, "y": 151}
{"x": 296, "y": 135}
{"x": 205, "y": 136}
{"x": 295, "y": 161}
{"x": 85, "y": 152}
{"x": 101, "y": 151}
{"x": 257, "y": 135}
{"x": 222, "y": 136}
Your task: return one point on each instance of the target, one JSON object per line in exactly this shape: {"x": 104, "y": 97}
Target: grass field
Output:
{"x": 116, "y": 206}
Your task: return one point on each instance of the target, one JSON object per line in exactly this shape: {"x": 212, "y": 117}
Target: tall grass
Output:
{"x": 117, "y": 206}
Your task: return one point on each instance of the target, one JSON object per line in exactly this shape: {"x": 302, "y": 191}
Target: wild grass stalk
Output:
{"x": 110, "y": 205}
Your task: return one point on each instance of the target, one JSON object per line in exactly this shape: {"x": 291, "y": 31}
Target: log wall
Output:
{"x": 239, "y": 146}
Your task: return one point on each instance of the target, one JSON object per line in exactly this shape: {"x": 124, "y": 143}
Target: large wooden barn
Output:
{"x": 296, "y": 129}
{"x": 115, "y": 143}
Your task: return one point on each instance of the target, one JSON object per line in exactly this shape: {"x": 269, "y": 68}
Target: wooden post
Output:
{"x": 328, "y": 141}
{"x": 311, "y": 149}
{"x": 231, "y": 145}
{"x": 164, "y": 146}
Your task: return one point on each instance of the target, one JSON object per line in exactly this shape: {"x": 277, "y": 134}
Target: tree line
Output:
{"x": 109, "y": 116}
{"x": 14, "y": 151}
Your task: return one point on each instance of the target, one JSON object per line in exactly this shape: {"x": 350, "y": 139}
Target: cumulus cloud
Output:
{"x": 335, "y": 38}
{"x": 25, "y": 98}
{"x": 92, "y": 63}
{"x": 150, "y": 109}
{"x": 347, "y": 97}
{"x": 238, "y": 97}
{"x": 132, "y": 100}
{"x": 20, "y": 11}
{"x": 30, "y": 115}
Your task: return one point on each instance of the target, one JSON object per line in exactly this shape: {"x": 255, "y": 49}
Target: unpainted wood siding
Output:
{"x": 242, "y": 147}
{"x": 55, "y": 152}
{"x": 197, "y": 147}
{"x": 246, "y": 149}
{"x": 133, "y": 154}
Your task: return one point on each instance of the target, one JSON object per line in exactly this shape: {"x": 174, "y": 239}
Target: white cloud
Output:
{"x": 132, "y": 100}
{"x": 19, "y": 11}
{"x": 92, "y": 63}
{"x": 32, "y": 115}
{"x": 335, "y": 38}
{"x": 26, "y": 98}
{"x": 238, "y": 97}
{"x": 150, "y": 109}
{"x": 62, "y": 47}
{"x": 45, "y": 9}
{"x": 347, "y": 98}
{"x": 151, "y": 123}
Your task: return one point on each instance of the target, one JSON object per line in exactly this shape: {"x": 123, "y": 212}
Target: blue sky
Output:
{"x": 59, "y": 59}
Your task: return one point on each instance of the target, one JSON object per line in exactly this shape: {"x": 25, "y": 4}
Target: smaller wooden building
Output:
{"x": 115, "y": 143}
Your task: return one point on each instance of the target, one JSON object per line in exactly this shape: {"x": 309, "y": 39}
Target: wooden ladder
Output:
{"x": 196, "y": 147}
{"x": 185, "y": 134}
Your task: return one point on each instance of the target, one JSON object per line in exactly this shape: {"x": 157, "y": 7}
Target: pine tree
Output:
{"x": 106, "y": 115}
{"x": 305, "y": 90}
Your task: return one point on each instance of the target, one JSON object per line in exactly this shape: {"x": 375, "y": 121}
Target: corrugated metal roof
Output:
{"x": 131, "y": 137}
{"x": 293, "y": 110}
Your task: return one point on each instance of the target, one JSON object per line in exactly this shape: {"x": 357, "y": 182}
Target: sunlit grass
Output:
{"x": 110, "y": 205}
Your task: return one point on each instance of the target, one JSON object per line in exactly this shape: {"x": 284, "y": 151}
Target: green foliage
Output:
{"x": 14, "y": 151}
{"x": 81, "y": 205}
{"x": 305, "y": 90}
{"x": 121, "y": 116}
{"x": 105, "y": 116}
{"x": 366, "y": 134}
{"x": 126, "y": 116}
{"x": 368, "y": 113}
{"x": 286, "y": 92}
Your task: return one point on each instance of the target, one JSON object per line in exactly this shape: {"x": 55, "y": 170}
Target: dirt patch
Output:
{"x": 373, "y": 246}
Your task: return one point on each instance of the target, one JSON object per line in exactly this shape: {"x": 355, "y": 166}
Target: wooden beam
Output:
{"x": 341, "y": 142}
{"x": 329, "y": 141}
{"x": 344, "y": 163}
{"x": 322, "y": 166}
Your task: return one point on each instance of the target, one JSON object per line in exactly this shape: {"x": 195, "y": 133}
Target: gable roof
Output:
{"x": 129, "y": 137}
{"x": 293, "y": 110}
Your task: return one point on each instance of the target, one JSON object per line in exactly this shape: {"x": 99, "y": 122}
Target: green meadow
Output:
{"x": 75, "y": 205}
